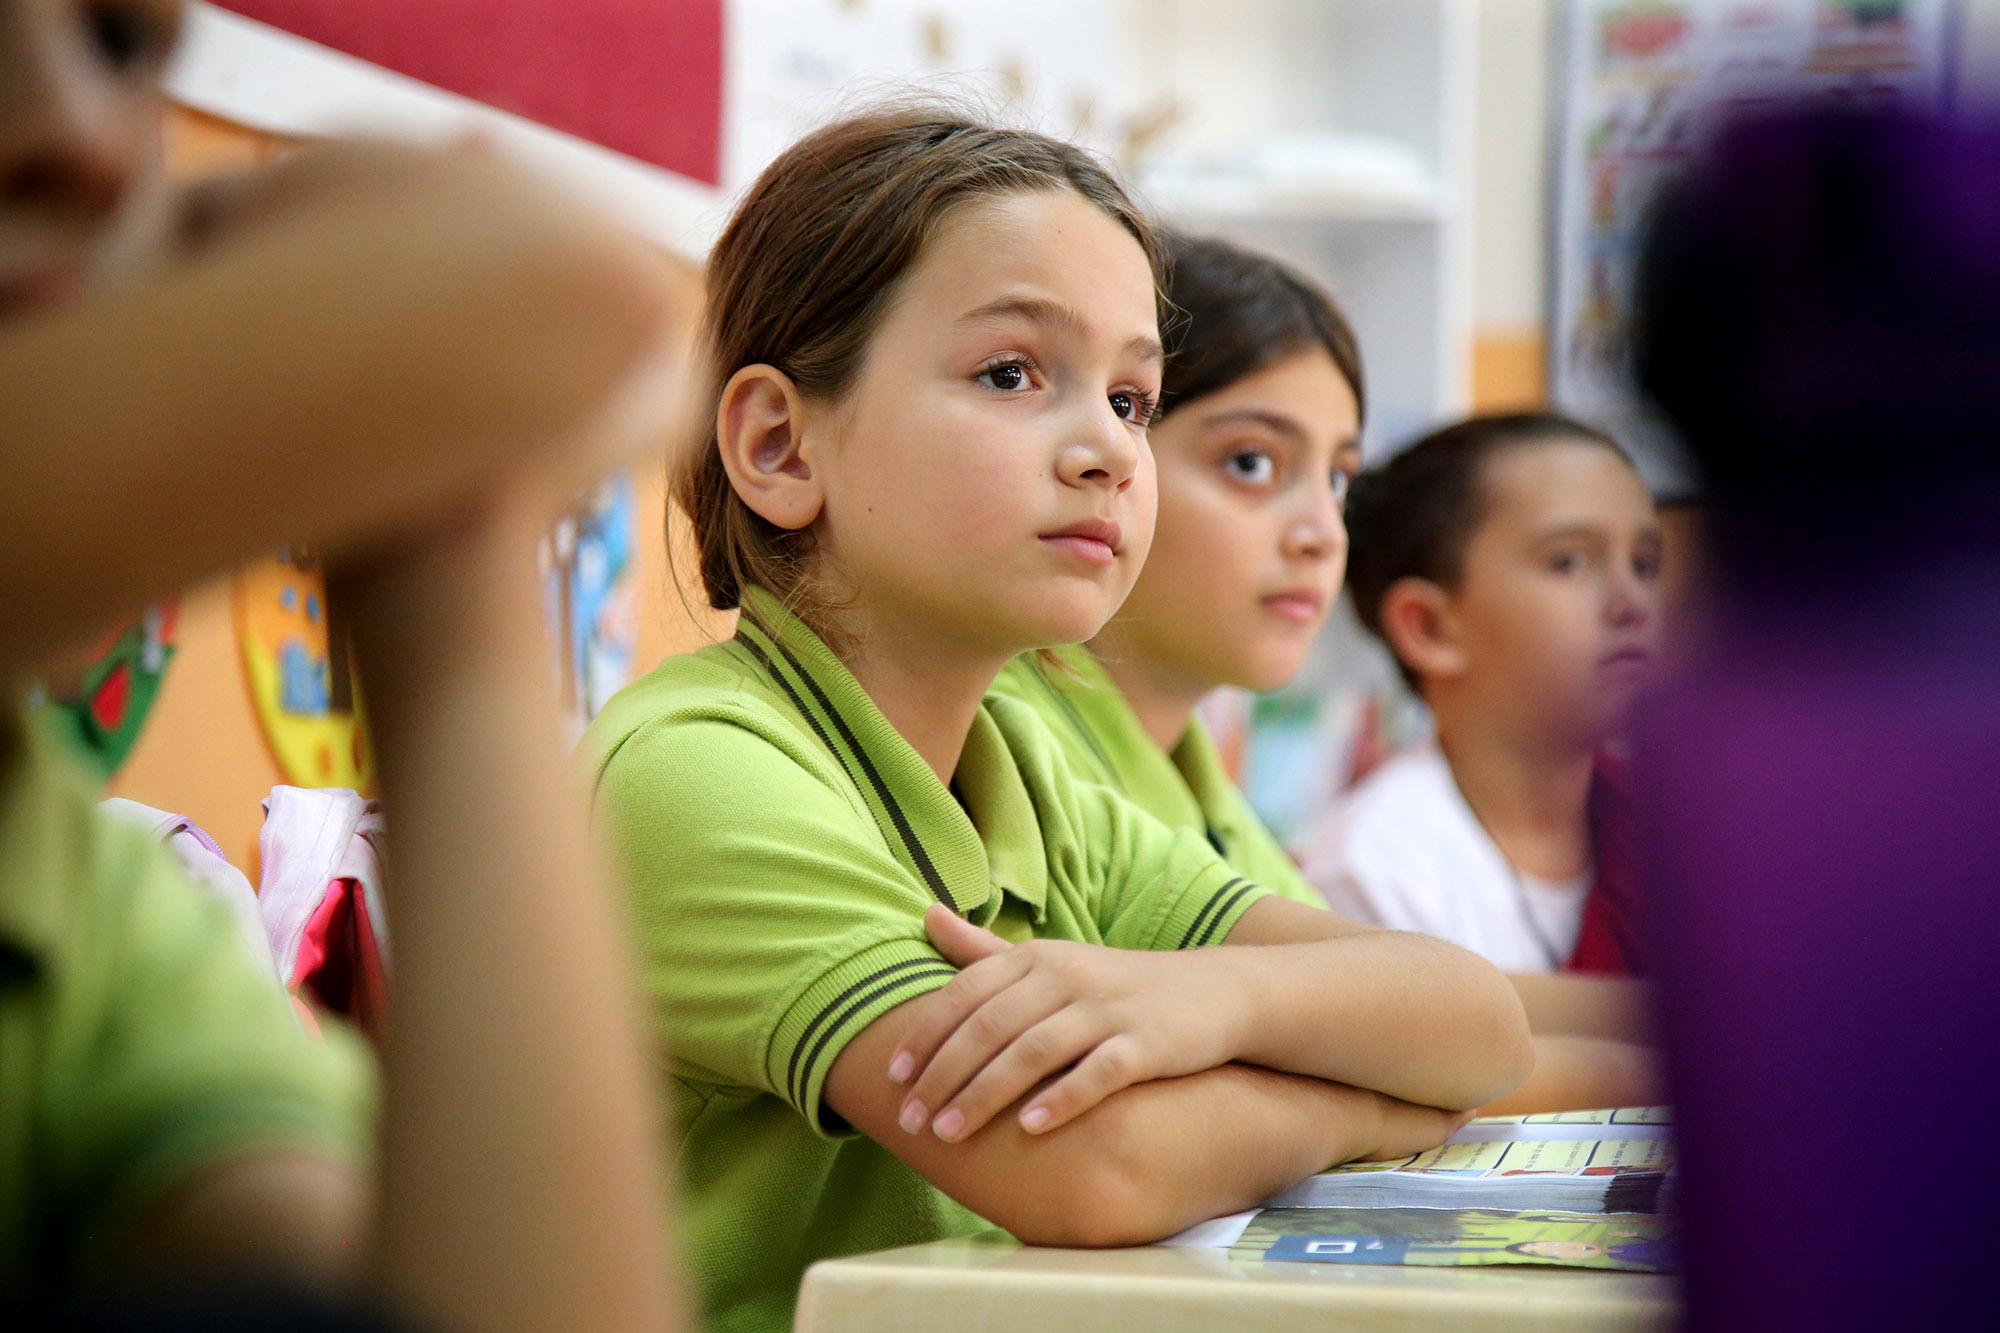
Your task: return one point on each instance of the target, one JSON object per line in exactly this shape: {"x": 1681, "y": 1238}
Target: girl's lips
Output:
{"x": 1095, "y": 541}
{"x": 1626, "y": 660}
{"x": 1300, "y": 607}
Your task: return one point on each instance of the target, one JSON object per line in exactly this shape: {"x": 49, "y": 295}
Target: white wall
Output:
{"x": 1510, "y": 164}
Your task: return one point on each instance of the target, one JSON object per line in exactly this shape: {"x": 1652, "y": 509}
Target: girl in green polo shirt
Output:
{"x": 1260, "y": 414}
{"x": 914, "y": 977}
{"x": 1260, "y": 429}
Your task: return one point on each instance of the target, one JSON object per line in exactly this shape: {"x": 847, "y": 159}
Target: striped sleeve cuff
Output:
{"x": 836, "y": 1007}
{"x": 1203, "y": 918}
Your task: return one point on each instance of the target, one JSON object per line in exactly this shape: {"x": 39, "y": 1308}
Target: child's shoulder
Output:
{"x": 709, "y": 712}
{"x": 1406, "y": 810}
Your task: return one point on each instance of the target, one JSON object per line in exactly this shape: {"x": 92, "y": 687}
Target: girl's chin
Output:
{"x": 1065, "y": 619}
{"x": 1272, "y": 670}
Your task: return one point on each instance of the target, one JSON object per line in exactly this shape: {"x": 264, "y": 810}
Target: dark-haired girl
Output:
{"x": 1258, "y": 433}
{"x": 1260, "y": 407}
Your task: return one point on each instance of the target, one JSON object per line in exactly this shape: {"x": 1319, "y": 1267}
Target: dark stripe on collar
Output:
{"x": 1202, "y": 917}
{"x": 918, "y": 855}
{"x": 771, "y": 670}
{"x": 1083, "y": 730}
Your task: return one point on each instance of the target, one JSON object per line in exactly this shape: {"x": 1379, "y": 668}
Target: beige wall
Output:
{"x": 1510, "y": 201}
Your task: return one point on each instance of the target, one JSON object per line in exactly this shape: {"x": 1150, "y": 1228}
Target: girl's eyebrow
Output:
{"x": 1055, "y": 315}
{"x": 1572, "y": 531}
{"x": 1256, "y": 416}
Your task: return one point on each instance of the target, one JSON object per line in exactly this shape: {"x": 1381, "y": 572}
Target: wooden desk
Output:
{"x": 992, "y": 1284}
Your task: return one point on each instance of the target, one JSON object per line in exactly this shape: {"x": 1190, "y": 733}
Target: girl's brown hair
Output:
{"x": 810, "y": 265}
{"x": 1238, "y": 311}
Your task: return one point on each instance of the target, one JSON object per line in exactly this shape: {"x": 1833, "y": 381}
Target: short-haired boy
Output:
{"x": 1511, "y": 564}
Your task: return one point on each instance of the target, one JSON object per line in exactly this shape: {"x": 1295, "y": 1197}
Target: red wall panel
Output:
{"x": 643, "y": 77}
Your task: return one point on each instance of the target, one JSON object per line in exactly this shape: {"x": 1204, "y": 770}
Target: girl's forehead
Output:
{"x": 1527, "y": 481}
{"x": 1056, "y": 243}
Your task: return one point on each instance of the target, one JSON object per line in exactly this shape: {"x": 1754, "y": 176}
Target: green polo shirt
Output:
{"x": 1189, "y": 788}
{"x": 138, "y": 1042}
{"x": 782, "y": 841}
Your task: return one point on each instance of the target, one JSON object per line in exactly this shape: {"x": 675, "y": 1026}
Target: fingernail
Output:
{"x": 912, "y": 1118}
{"x": 1034, "y": 1118}
{"x": 949, "y": 1125}
{"x": 899, "y": 1068}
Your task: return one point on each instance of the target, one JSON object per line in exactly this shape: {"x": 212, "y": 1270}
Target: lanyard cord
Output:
{"x": 1527, "y": 910}
{"x": 1553, "y": 956}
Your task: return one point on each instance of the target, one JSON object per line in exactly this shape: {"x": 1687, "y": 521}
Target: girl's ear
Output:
{"x": 1418, "y": 620}
{"x": 760, "y": 427}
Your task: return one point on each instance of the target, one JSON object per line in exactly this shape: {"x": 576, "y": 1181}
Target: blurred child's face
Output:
{"x": 1557, "y": 612}
{"x": 80, "y": 109}
{"x": 1250, "y": 547}
{"x": 988, "y": 483}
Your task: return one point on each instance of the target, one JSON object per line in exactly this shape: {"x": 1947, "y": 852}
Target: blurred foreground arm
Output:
{"x": 520, "y": 1185}
{"x": 374, "y": 331}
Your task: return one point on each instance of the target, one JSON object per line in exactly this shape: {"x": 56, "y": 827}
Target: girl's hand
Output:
{"x": 1409, "y": 1129}
{"x": 1018, "y": 1015}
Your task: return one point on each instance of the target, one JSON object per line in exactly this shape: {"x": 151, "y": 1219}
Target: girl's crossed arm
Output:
{"x": 1404, "y": 1015}
{"x": 1149, "y": 1160}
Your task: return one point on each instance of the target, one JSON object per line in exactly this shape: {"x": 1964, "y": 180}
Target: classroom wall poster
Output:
{"x": 792, "y": 64}
{"x": 589, "y": 572}
{"x": 101, "y": 705}
{"x": 300, "y": 672}
{"x": 1639, "y": 82}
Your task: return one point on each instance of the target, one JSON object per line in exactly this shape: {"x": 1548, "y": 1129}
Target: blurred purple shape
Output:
{"x": 1820, "y": 318}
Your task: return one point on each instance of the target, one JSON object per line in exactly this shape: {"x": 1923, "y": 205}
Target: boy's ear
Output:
{"x": 761, "y": 429}
{"x": 1418, "y": 621}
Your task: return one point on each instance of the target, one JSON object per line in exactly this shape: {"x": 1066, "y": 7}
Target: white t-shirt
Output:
{"x": 1406, "y": 852}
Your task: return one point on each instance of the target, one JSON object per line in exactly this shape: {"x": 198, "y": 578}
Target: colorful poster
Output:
{"x": 300, "y": 673}
{"x": 589, "y": 571}
{"x": 102, "y": 705}
{"x": 1452, "y": 1238}
{"x": 1639, "y": 84}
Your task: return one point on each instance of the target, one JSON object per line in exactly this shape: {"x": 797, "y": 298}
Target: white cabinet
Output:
{"x": 1337, "y": 135}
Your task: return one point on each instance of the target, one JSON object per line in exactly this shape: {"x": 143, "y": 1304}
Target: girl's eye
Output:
{"x": 1566, "y": 562}
{"x": 1646, "y": 567}
{"x": 1339, "y": 483}
{"x": 1251, "y": 466}
{"x": 1007, "y": 377}
{"x": 125, "y": 36}
{"x": 1135, "y": 406}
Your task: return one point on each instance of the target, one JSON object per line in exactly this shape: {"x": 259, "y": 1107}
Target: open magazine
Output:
{"x": 1609, "y": 1161}
{"x": 1579, "y": 1188}
{"x": 1459, "y": 1237}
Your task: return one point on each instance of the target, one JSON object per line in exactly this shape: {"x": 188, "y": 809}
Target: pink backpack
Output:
{"x": 321, "y": 900}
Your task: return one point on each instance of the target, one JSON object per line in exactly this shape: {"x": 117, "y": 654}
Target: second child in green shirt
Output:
{"x": 1260, "y": 411}
{"x": 1184, "y": 787}
{"x": 1259, "y": 431}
